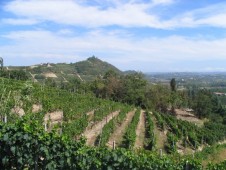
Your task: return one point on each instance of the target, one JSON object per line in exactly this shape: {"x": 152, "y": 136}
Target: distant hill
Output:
{"x": 94, "y": 66}
{"x": 84, "y": 70}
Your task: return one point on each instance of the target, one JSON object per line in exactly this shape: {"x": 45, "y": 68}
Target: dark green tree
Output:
{"x": 173, "y": 84}
{"x": 203, "y": 104}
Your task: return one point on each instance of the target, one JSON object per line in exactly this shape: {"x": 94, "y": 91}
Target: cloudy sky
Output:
{"x": 142, "y": 35}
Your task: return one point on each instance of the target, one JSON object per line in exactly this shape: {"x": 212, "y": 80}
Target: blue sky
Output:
{"x": 142, "y": 35}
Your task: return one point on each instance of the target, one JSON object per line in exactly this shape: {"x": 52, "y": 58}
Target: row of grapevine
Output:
{"x": 103, "y": 110}
{"x": 189, "y": 133}
{"x": 130, "y": 135}
{"x": 150, "y": 137}
{"x": 109, "y": 128}
{"x": 160, "y": 121}
{"x": 180, "y": 130}
{"x": 24, "y": 145}
{"x": 73, "y": 105}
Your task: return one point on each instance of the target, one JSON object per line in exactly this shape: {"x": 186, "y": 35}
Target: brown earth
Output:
{"x": 36, "y": 108}
{"x": 188, "y": 116}
{"x": 18, "y": 110}
{"x": 50, "y": 74}
{"x": 56, "y": 116}
{"x": 140, "y": 131}
{"x": 53, "y": 118}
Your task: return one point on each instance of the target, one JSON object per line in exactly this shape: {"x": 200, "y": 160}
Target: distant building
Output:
{"x": 220, "y": 94}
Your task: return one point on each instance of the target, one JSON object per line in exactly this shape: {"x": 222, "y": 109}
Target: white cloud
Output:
{"x": 19, "y": 21}
{"x": 213, "y": 15}
{"x": 125, "y": 52}
{"x": 133, "y": 13}
{"x": 117, "y": 46}
{"x": 71, "y": 13}
{"x": 162, "y": 2}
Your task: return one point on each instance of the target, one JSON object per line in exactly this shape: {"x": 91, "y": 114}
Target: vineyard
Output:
{"x": 49, "y": 128}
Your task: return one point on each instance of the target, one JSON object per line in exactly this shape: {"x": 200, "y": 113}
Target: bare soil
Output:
{"x": 18, "y": 110}
{"x": 54, "y": 117}
{"x": 36, "y": 108}
{"x": 91, "y": 134}
{"x": 140, "y": 131}
{"x": 117, "y": 136}
{"x": 33, "y": 77}
{"x": 79, "y": 77}
{"x": 188, "y": 116}
{"x": 51, "y": 75}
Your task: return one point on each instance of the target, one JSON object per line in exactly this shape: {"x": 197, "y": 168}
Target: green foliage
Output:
{"x": 220, "y": 166}
{"x": 25, "y": 145}
{"x": 210, "y": 151}
{"x": 94, "y": 66}
{"x": 160, "y": 121}
{"x": 171, "y": 143}
{"x": 173, "y": 84}
{"x": 157, "y": 98}
{"x": 74, "y": 105}
{"x": 150, "y": 137}
{"x": 127, "y": 89}
{"x": 202, "y": 104}
{"x": 191, "y": 134}
{"x": 109, "y": 128}
{"x": 133, "y": 89}
{"x": 14, "y": 74}
{"x": 130, "y": 135}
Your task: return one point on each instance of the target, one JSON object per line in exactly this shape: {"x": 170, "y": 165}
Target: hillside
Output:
{"x": 83, "y": 70}
{"x": 104, "y": 123}
{"x": 93, "y": 67}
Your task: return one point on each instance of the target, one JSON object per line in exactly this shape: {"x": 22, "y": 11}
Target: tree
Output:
{"x": 157, "y": 98}
{"x": 134, "y": 88}
{"x": 173, "y": 84}
{"x": 203, "y": 104}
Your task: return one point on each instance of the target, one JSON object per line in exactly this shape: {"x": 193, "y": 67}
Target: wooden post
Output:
{"x": 187, "y": 166}
{"x": 61, "y": 130}
{"x": 113, "y": 145}
{"x": 45, "y": 125}
{"x": 5, "y": 118}
{"x": 160, "y": 152}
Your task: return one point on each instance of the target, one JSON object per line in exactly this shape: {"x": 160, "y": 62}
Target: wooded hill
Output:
{"x": 61, "y": 72}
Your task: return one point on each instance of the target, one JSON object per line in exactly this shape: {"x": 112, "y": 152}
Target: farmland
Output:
{"x": 119, "y": 121}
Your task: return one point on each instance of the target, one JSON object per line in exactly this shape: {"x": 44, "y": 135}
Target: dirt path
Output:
{"x": 91, "y": 134}
{"x": 79, "y": 77}
{"x": 117, "y": 136}
{"x": 33, "y": 77}
{"x": 140, "y": 131}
